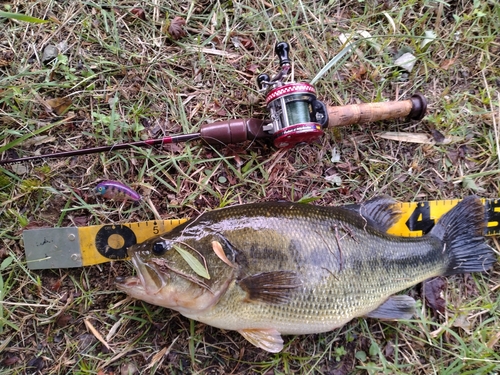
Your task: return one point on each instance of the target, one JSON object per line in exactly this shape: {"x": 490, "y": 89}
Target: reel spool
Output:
{"x": 297, "y": 116}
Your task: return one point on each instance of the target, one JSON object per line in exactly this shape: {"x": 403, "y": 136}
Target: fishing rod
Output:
{"x": 296, "y": 117}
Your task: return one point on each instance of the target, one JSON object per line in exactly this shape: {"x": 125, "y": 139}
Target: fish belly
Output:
{"x": 344, "y": 271}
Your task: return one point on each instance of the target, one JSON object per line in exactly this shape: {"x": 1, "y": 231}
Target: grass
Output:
{"x": 127, "y": 80}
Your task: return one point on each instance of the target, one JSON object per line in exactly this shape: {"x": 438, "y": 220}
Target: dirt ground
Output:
{"x": 127, "y": 71}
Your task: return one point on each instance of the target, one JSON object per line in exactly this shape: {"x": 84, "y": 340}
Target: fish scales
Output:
{"x": 286, "y": 268}
{"x": 336, "y": 278}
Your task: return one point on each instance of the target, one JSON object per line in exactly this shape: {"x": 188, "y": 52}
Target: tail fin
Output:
{"x": 461, "y": 231}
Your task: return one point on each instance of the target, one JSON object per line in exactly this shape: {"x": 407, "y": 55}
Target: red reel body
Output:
{"x": 297, "y": 116}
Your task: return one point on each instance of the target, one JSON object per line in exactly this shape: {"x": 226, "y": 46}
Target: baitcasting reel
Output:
{"x": 297, "y": 116}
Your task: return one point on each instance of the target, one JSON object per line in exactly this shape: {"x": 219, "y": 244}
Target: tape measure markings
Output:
{"x": 98, "y": 245}
{"x": 48, "y": 247}
{"x": 418, "y": 218}
{"x": 493, "y": 216}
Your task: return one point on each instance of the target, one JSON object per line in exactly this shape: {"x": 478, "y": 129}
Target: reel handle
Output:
{"x": 414, "y": 108}
{"x": 282, "y": 49}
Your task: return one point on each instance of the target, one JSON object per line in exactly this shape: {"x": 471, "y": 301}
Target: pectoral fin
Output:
{"x": 270, "y": 287}
{"x": 267, "y": 339}
{"x": 396, "y": 307}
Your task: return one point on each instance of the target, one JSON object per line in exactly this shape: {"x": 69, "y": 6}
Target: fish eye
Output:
{"x": 160, "y": 248}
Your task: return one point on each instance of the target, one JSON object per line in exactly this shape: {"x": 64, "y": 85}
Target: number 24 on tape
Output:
{"x": 47, "y": 248}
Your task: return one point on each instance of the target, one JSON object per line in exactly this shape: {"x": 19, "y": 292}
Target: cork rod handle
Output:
{"x": 414, "y": 108}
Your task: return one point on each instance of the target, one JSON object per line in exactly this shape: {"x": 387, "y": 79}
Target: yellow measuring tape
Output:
{"x": 100, "y": 243}
{"x": 84, "y": 246}
{"x": 418, "y": 218}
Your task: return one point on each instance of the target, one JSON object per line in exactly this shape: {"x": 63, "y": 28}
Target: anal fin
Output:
{"x": 268, "y": 339}
{"x": 396, "y": 307}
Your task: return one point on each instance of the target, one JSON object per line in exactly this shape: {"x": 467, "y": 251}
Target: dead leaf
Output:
{"x": 35, "y": 225}
{"x": 221, "y": 112}
{"x": 438, "y": 136}
{"x": 139, "y": 13}
{"x": 39, "y": 140}
{"x": 252, "y": 68}
{"x": 463, "y": 151}
{"x": 174, "y": 148}
{"x": 494, "y": 340}
{"x": 446, "y": 64}
{"x": 19, "y": 169}
{"x": 359, "y": 73}
{"x": 389, "y": 349}
{"x": 176, "y": 28}
{"x": 459, "y": 154}
{"x": 244, "y": 42}
{"x": 462, "y": 322}
{"x": 80, "y": 221}
{"x": 237, "y": 159}
{"x": 453, "y": 156}
{"x": 64, "y": 297}
{"x": 406, "y": 61}
{"x": 6, "y": 58}
{"x": 63, "y": 320}
{"x": 219, "y": 251}
{"x": 407, "y": 137}
{"x": 158, "y": 356}
{"x": 418, "y": 138}
{"x": 213, "y": 51}
{"x": 56, "y": 285}
{"x": 59, "y": 105}
{"x": 96, "y": 334}
{"x": 35, "y": 364}
{"x": 10, "y": 360}
{"x": 128, "y": 368}
{"x": 55, "y": 19}
{"x": 85, "y": 342}
{"x": 49, "y": 53}
{"x": 433, "y": 294}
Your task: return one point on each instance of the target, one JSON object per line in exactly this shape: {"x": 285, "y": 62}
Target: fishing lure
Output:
{"x": 117, "y": 191}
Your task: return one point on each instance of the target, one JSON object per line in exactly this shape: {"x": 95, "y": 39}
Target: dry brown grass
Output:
{"x": 128, "y": 80}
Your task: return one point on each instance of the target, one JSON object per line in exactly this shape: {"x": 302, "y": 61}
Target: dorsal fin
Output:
{"x": 381, "y": 211}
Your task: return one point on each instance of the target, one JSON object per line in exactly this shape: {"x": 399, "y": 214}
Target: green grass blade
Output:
{"x": 29, "y": 135}
{"x": 22, "y": 17}
{"x": 194, "y": 263}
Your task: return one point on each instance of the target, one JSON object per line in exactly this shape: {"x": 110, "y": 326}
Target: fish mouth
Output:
{"x": 128, "y": 282}
{"x": 148, "y": 279}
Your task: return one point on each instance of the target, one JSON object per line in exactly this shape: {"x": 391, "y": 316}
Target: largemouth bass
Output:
{"x": 268, "y": 269}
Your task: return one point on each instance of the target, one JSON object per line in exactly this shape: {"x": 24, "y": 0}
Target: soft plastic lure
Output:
{"x": 117, "y": 191}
